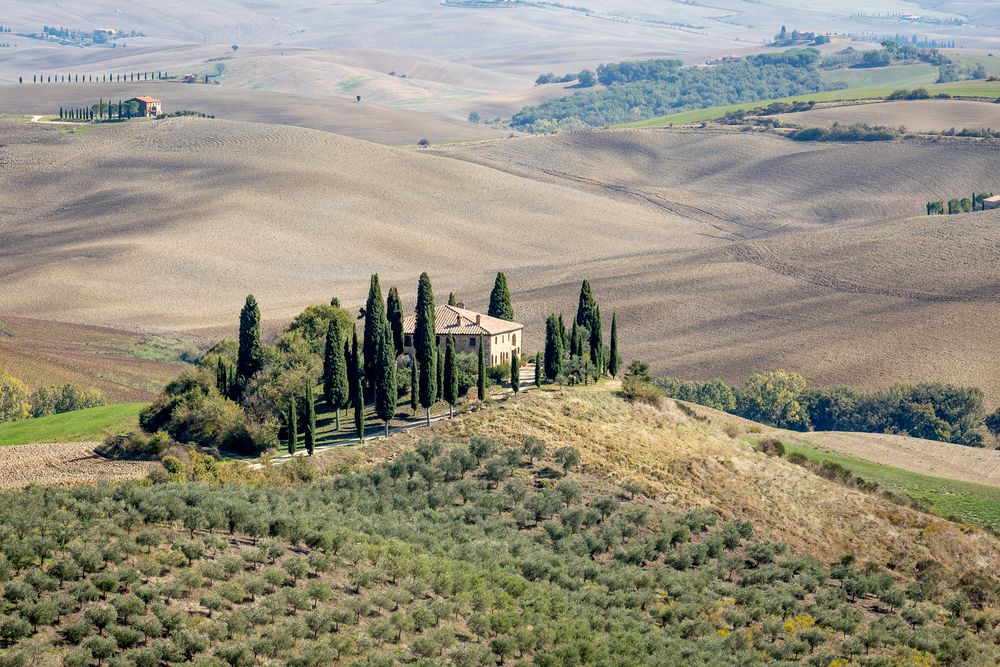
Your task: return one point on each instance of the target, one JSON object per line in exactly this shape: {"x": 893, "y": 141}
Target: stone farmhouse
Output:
{"x": 148, "y": 106}
{"x": 500, "y": 338}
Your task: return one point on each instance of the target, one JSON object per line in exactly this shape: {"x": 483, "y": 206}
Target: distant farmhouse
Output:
{"x": 991, "y": 203}
{"x": 500, "y": 338}
{"x": 148, "y": 106}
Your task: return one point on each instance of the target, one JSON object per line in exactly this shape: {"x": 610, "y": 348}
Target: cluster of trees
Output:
{"x": 245, "y": 396}
{"x": 935, "y": 411}
{"x": 638, "y": 70}
{"x": 854, "y": 132}
{"x": 796, "y": 38}
{"x": 674, "y": 90}
{"x": 123, "y": 110}
{"x": 18, "y": 402}
{"x": 551, "y": 77}
{"x": 475, "y": 552}
{"x": 577, "y": 354}
{"x": 959, "y": 205}
{"x": 98, "y": 78}
{"x": 957, "y": 72}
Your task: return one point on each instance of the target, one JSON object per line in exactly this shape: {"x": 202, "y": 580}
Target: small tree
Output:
{"x": 386, "y": 390}
{"x": 515, "y": 373}
{"x": 614, "y": 360}
{"x": 450, "y": 376}
{"x": 553, "y": 349}
{"x": 251, "y": 351}
{"x": 500, "y": 303}
{"x": 310, "y": 439}
{"x": 481, "y": 378}
{"x": 538, "y": 369}
{"x": 335, "y": 386}
{"x": 293, "y": 426}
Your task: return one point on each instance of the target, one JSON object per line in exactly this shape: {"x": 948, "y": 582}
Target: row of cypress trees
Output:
{"x": 90, "y": 78}
{"x": 584, "y": 341}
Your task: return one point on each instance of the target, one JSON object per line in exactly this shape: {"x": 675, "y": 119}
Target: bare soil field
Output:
{"x": 63, "y": 464}
{"x": 125, "y": 365}
{"x": 723, "y": 253}
{"x": 915, "y": 115}
{"x": 340, "y": 114}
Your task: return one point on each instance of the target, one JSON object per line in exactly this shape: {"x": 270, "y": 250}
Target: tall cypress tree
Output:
{"x": 515, "y": 372}
{"x": 440, "y": 371}
{"x": 349, "y": 358}
{"x": 425, "y": 344}
{"x": 585, "y": 309}
{"x": 251, "y": 352}
{"x": 574, "y": 340}
{"x": 553, "y": 348}
{"x": 538, "y": 369}
{"x": 500, "y": 304}
{"x": 588, "y": 315}
{"x": 374, "y": 317}
{"x": 386, "y": 391}
{"x": 335, "y": 386}
{"x": 394, "y": 313}
{"x": 293, "y": 426}
{"x": 614, "y": 360}
{"x": 450, "y": 376}
{"x": 359, "y": 394}
{"x": 481, "y": 377}
{"x": 310, "y": 439}
{"x": 414, "y": 383}
{"x": 596, "y": 341}
{"x": 563, "y": 333}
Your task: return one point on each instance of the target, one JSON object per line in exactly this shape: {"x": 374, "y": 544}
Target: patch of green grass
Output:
{"x": 965, "y": 502}
{"x": 77, "y": 426}
{"x": 900, "y": 76}
{"x": 155, "y": 348}
{"x": 991, "y": 63}
{"x": 982, "y": 89}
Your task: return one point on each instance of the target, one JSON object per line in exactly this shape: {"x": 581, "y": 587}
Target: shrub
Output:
{"x": 771, "y": 447}
{"x": 14, "y": 399}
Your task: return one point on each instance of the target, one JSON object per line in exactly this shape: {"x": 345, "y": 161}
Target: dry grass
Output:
{"x": 679, "y": 460}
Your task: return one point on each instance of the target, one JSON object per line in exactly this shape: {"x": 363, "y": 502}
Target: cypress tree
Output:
{"x": 588, "y": 315}
{"x": 450, "y": 376}
{"x": 386, "y": 391}
{"x": 585, "y": 309}
{"x": 481, "y": 377}
{"x": 394, "y": 312}
{"x": 574, "y": 340}
{"x": 414, "y": 381}
{"x": 515, "y": 372}
{"x": 613, "y": 359}
{"x": 293, "y": 426}
{"x": 349, "y": 358}
{"x": 538, "y": 369}
{"x": 563, "y": 333}
{"x": 374, "y": 316}
{"x": 310, "y": 439}
{"x": 225, "y": 376}
{"x": 553, "y": 349}
{"x": 335, "y": 387}
{"x": 359, "y": 395}
{"x": 500, "y": 304}
{"x": 424, "y": 342}
{"x": 439, "y": 364}
{"x": 251, "y": 352}
{"x": 452, "y": 299}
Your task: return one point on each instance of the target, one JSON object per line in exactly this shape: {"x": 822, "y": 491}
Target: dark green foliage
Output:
{"x": 425, "y": 344}
{"x": 637, "y": 70}
{"x": 251, "y": 352}
{"x": 394, "y": 313}
{"x": 588, "y": 316}
{"x": 450, "y": 374}
{"x": 439, "y": 364}
{"x": 856, "y": 132}
{"x": 292, "y": 425}
{"x": 225, "y": 377}
{"x": 359, "y": 396}
{"x": 385, "y": 389}
{"x": 515, "y": 373}
{"x": 336, "y": 390}
{"x": 614, "y": 360}
{"x": 351, "y": 352}
{"x": 414, "y": 383}
{"x": 553, "y": 348}
{"x": 992, "y": 423}
{"x": 310, "y": 425}
{"x": 500, "y": 303}
{"x": 375, "y": 318}
{"x": 538, "y": 369}
{"x": 668, "y": 90}
{"x": 481, "y": 371}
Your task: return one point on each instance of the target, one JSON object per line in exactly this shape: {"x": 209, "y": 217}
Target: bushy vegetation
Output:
{"x": 959, "y": 204}
{"x": 56, "y": 399}
{"x": 934, "y": 411}
{"x": 655, "y": 88}
{"x": 469, "y": 552}
{"x": 838, "y": 132}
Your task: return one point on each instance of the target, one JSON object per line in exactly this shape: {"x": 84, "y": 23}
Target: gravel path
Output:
{"x": 63, "y": 463}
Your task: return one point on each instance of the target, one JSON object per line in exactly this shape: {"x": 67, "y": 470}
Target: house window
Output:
{"x": 472, "y": 342}
{"x": 513, "y": 339}
{"x": 407, "y": 341}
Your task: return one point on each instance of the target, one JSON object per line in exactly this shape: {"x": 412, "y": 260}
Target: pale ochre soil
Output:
{"x": 63, "y": 464}
{"x": 914, "y": 115}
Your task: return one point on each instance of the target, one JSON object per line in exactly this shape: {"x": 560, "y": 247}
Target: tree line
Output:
{"x": 127, "y": 77}
{"x": 959, "y": 205}
{"x": 18, "y": 402}
{"x": 935, "y": 411}
{"x": 124, "y": 110}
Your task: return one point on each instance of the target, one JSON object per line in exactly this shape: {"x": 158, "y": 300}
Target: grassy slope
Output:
{"x": 984, "y": 89}
{"x": 918, "y": 74}
{"x": 962, "y": 501}
{"x": 77, "y": 426}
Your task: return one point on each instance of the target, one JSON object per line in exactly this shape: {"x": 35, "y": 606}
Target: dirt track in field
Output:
{"x": 63, "y": 464}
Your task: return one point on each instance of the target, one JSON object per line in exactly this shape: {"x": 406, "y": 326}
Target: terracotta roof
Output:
{"x": 462, "y": 322}
{"x": 144, "y": 98}
{"x": 993, "y": 199}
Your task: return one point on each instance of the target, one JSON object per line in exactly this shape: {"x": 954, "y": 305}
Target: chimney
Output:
{"x": 479, "y": 319}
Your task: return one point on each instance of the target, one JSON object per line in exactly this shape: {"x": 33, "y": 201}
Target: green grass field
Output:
{"x": 78, "y": 426}
{"x": 960, "y": 501}
{"x": 900, "y": 76}
{"x": 980, "y": 89}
